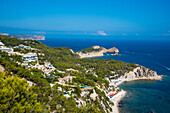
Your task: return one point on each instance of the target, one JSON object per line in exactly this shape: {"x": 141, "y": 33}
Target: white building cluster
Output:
{"x": 65, "y": 79}
{"x": 21, "y": 46}
{"x": 4, "y": 48}
{"x": 30, "y": 57}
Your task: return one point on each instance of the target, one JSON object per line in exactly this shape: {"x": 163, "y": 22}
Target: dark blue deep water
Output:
{"x": 153, "y": 52}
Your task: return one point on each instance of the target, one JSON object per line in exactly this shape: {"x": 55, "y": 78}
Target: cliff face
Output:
{"x": 104, "y": 50}
{"x": 113, "y": 49}
{"x": 98, "y": 53}
{"x": 141, "y": 72}
{"x": 90, "y": 54}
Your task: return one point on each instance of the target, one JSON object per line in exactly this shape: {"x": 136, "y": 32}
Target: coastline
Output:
{"x": 159, "y": 77}
{"x": 99, "y": 53}
{"x": 116, "y": 101}
{"x": 122, "y": 93}
{"x": 91, "y": 56}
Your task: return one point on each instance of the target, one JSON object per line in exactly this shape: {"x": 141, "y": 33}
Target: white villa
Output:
{"x": 22, "y": 46}
{"x": 65, "y": 79}
{"x": 1, "y": 44}
{"x": 6, "y": 49}
{"x": 49, "y": 66}
{"x": 30, "y": 57}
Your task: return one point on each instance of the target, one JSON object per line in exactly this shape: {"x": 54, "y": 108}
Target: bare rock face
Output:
{"x": 2, "y": 69}
{"x": 142, "y": 72}
{"x": 117, "y": 51}
{"x": 96, "y": 47}
{"x": 104, "y": 50}
{"x": 72, "y": 51}
{"x": 113, "y": 49}
{"x": 90, "y": 54}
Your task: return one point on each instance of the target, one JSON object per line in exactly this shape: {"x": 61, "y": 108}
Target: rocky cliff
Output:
{"x": 113, "y": 50}
{"x": 90, "y": 54}
{"x": 141, "y": 72}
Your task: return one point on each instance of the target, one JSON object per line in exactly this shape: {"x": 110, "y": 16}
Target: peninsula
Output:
{"x": 25, "y": 37}
{"x": 96, "y": 51}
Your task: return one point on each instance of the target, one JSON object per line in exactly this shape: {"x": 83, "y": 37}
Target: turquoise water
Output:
{"x": 85, "y": 86}
{"x": 153, "y": 52}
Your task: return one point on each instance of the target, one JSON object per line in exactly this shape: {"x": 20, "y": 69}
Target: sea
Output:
{"x": 143, "y": 96}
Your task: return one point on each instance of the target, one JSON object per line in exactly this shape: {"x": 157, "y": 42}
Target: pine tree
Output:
{"x": 17, "y": 96}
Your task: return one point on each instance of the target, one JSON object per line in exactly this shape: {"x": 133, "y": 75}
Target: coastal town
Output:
{"x": 47, "y": 68}
{"x": 85, "y": 56}
{"x": 31, "y": 60}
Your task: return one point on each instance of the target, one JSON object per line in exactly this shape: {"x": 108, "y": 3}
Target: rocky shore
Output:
{"x": 139, "y": 73}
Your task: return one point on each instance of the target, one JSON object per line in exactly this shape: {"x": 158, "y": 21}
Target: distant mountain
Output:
{"x": 24, "y": 37}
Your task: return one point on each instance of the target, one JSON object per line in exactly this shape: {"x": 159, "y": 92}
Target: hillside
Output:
{"x": 25, "y": 37}
{"x": 58, "y": 79}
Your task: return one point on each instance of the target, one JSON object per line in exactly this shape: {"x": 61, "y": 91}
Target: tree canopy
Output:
{"x": 17, "y": 96}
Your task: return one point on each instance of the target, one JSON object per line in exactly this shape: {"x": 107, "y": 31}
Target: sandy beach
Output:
{"x": 116, "y": 99}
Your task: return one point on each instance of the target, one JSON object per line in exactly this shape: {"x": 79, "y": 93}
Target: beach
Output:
{"x": 116, "y": 99}
{"x": 119, "y": 96}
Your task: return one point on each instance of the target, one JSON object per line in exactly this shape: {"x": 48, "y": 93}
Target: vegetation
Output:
{"x": 90, "y": 49}
{"x": 17, "y": 96}
{"x": 24, "y": 51}
{"x": 91, "y": 72}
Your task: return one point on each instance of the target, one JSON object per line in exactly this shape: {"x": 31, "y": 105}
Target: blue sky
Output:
{"x": 112, "y": 16}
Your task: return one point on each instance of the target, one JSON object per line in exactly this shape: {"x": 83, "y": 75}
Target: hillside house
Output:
{"x": 1, "y": 44}
{"x": 30, "y": 57}
{"x": 6, "y": 49}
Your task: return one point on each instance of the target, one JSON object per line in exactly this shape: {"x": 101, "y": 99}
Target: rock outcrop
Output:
{"x": 90, "y": 54}
{"x": 113, "y": 50}
{"x": 2, "y": 69}
{"x": 138, "y": 73}
{"x": 141, "y": 72}
{"x": 104, "y": 50}
{"x": 98, "y": 52}
{"x": 96, "y": 47}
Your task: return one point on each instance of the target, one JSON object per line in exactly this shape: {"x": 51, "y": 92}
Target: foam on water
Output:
{"x": 167, "y": 67}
